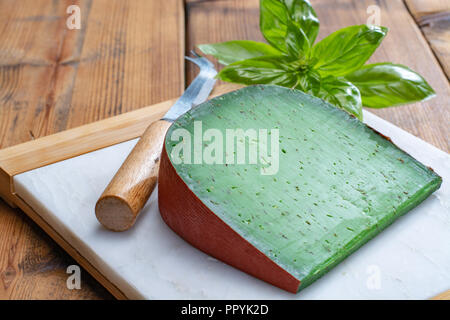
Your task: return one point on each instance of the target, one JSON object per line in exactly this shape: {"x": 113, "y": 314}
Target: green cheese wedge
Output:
{"x": 338, "y": 182}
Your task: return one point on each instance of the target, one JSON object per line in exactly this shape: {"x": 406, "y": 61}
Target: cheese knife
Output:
{"x": 126, "y": 194}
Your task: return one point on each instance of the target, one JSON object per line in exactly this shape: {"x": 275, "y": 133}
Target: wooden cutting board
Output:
{"x": 57, "y": 182}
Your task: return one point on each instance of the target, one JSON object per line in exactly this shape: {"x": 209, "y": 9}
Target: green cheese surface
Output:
{"x": 339, "y": 183}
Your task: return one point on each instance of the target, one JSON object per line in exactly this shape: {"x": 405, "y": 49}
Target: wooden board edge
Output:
{"x": 182, "y": 31}
{"x": 442, "y": 296}
{"x": 6, "y": 188}
{"x": 83, "y": 262}
{"x": 112, "y": 288}
{"x": 80, "y": 140}
{"x": 70, "y": 143}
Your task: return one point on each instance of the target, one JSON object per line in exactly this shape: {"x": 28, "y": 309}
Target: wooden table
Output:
{"x": 128, "y": 54}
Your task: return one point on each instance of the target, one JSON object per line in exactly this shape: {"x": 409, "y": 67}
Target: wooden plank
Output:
{"x": 57, "y": 147}
{"x": 127, "y": 54}
{"x": 443, "y": 296}
{"x": 433, "y": 17}
{"x": 406, "y": 45}
{"x": 216, "y": 21}
{"x": 90, "y": 137}
{"x": 80, "y": 260}
{"x": 141, "y": 64}
{"x": 15, "y": 77}
{"x": 31, "y": 41}
{"x": 423, "y": 8}
{"x": 70, "y": 143}
{"x": 225, "y": 20}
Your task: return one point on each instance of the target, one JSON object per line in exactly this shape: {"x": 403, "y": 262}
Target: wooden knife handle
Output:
{"x": 126, "y": 194}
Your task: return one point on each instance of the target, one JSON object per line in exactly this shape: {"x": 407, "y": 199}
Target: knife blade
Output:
{"x": 126, "y": 194}
{"x": 197, "y": 92}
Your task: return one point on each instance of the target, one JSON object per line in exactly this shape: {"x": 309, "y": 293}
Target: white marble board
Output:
{"x": 409, "y": 260}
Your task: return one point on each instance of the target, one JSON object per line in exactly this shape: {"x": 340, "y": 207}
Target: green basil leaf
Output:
{"x": 346, "y": 50}
{"x": 261, "y": 70}
{"x": 342, "y": 94}
{"x": 309, "y": 82}
{"x": 276, "y": 15}
{"x": 297, "y": 43}
{"x": 273, "y": 22}
{"x": 386, "y": 84}
{"x": 232, "y": 51}
{"x": 304, "y": 16}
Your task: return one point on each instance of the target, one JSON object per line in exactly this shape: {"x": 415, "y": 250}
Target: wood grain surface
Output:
{"x": 128, "y": 54}
{"x": 60, "y": 146}
{"x": 433, "y": 18}
{"x": 131, "y": 187}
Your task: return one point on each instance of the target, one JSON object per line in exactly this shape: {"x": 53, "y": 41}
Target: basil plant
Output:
{"x": 333, "y": 69}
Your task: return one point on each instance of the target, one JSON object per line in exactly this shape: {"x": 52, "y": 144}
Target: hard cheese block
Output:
{"x": 338, "y": 183}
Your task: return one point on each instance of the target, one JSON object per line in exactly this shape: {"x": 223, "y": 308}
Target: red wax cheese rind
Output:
{"x": 339, "y": 183}
{"x": 186, "y": 214}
